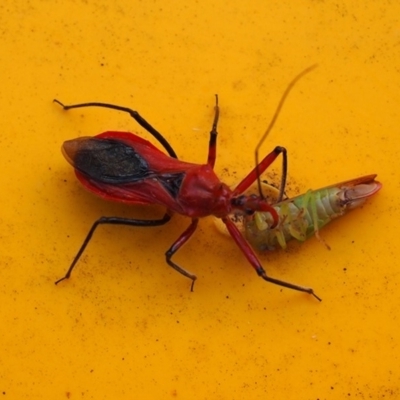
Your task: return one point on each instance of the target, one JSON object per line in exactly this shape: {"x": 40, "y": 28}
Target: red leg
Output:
{"x": 268, "y": 160}
{"x": 212, "y": 146}
{"x": 252, "y": 258}
{"x": 177, "y": 245}
{"x": 261, "y": 167}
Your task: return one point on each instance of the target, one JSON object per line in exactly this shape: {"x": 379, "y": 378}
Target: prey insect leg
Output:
{"x": 113, "y": 221}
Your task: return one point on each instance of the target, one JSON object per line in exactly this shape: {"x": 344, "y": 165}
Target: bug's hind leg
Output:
{"x": 113, "y": 221}
{"x": 134, "y": 114}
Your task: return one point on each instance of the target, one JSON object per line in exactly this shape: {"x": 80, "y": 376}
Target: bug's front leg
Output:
{"x": 255, "y": 173}
{"x": 186, "y": 235}
{"x": 212, "y": 145}
{"x": 113, "y": 221}
{"x": 252, "y": 258}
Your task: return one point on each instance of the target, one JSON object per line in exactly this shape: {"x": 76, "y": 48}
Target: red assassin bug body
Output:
{"x": 123, "y": 167}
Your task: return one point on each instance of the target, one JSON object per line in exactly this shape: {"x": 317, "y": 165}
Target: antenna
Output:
{"x": 272, "y": 123}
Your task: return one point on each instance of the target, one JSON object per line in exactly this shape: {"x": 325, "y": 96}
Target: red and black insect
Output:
{"x": 123, "y": 167}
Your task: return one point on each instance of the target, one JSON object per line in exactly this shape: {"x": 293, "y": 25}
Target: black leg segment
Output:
{"x": 212, "y": 145}
{"x": 177, "y": 245}
{"x": 134, "y": 114}
{"x": 113, "y": 221}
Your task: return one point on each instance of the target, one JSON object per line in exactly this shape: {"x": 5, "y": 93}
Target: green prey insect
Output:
{"x": 303, "y": 216}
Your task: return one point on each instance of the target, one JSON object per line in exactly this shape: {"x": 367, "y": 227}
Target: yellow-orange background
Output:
{"x": 126, "y": 325}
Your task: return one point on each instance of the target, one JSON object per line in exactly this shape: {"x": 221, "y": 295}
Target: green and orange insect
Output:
{"x": 303, "y": 216}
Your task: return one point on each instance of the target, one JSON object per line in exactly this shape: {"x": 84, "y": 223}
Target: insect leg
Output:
{"x": 134, "y": 114}
{"x": 177, "y": 245}
{"x": 212, "y": 146}
{"x": 251, "y": 257}
{"x": 261, "y": 167}
{"x": 112, "y": 221}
